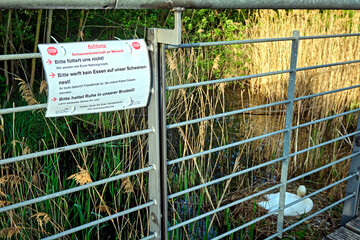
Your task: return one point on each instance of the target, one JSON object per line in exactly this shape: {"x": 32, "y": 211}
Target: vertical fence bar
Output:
{"x": 164, "y": 187}
{"x": 350, "y": 210}
{"x": 160, "y": 38}
{"x": 154, "y": 140}
{"x": 287, "y": 134}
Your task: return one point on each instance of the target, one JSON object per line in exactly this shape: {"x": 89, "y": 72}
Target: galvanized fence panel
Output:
{"x": 351, "y": 198}
{"x": 153, "y": 203}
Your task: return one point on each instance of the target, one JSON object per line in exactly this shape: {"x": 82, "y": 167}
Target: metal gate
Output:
{"x": 350, "y": 200}
{"x": 161, "y": 41}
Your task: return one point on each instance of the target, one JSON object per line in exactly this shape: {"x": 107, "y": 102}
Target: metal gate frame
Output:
{"x": 351, "y": 200}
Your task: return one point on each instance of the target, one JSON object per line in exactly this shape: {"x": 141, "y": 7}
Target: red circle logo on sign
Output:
{"x": 52, "y": 51}
{"x": 136, "y": 45}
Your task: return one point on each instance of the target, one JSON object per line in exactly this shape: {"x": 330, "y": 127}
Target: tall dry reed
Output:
{"x": 191, "y": 66}
{"x": 266, "y": 57}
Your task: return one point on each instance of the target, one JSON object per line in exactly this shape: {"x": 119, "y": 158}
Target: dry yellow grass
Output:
{"x": 10, "y": 232}
{"x": 266, "y": 57}
{"x": 82, "y": 177}
{"x": 26, "y": 92}
{"x": 42, "y": 219}
{"x": 276, "y": 56}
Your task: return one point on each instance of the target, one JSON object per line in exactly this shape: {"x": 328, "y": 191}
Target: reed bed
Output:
{"x": 186, "y": 66}
{"x": 276, "y": 56}
{"x": 266, "y": 57}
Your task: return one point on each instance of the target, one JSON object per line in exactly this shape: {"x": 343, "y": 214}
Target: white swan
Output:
{"x": 299, "y": 208}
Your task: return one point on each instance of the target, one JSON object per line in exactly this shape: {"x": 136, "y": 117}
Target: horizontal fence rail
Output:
{"x": 286, "y": 156}
{"x": 224, "y": 208}
{"x": 74, "y": 146}
{"x": 224, "y": 178}
{"x": 169, "y": 4}
{"x": 227, "y": 114}
{"x": 75, "y": 189}
{"x": 23, "y": 109}
{"x": 264, "y": 40}
{"x": 105, "y": 219}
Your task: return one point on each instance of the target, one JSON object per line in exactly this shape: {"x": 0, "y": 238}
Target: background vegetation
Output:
{"x": 22, "y": 82}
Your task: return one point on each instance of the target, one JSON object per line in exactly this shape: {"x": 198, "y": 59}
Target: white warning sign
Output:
{"x": 91, "y": 77}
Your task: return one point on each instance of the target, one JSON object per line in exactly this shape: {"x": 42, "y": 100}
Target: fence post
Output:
{"x": 350, "y": 210}
{"x": 287, "y": 134}
{"x": 155, "y": 140}
{"x": 158, "y": 37}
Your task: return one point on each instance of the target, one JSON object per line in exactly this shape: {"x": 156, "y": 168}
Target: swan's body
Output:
{"x": 299, "y": 208}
